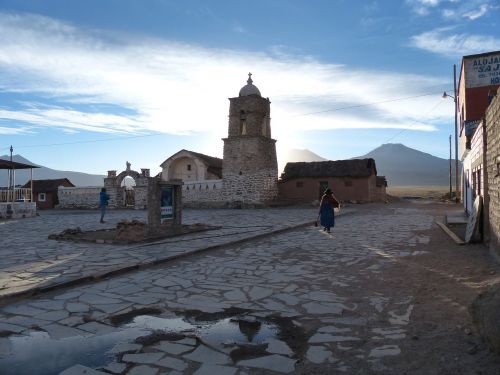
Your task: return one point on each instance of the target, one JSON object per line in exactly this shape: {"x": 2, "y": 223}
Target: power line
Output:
{"x": 302, "y": 114}
{"x": 366, "y": 104}
{"x": 414, "y": 122}
{"x": 89, "y": 141}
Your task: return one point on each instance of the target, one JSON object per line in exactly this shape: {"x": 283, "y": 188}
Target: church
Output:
{"x": 247, "y": 175}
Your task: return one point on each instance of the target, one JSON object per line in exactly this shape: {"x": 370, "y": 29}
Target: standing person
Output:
{"x": 103, "y": 202}
{"x": 326, "y": 214}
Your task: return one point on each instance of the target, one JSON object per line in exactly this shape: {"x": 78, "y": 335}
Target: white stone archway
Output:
{"x": 113, "y": 185}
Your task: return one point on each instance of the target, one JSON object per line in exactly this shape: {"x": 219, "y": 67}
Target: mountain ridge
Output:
{"x": 405, "y": 166}
{"x": 44, "y": 173}
{"x": 401, "y": 165}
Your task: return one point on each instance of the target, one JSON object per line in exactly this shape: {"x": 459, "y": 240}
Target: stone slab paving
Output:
{"x": 31, "y": 262}
{"x": 307, "y": 282}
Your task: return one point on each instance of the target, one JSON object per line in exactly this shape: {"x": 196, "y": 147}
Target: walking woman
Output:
{"x": 328, "y": 203}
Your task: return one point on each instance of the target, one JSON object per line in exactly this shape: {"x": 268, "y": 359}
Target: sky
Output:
{"x": 88, "y": 85}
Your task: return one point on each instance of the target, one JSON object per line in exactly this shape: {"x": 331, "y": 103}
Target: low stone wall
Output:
{"x": 17, "y": 210}
{"x": 202, "y": 194}
{"x": 78, "y": 197}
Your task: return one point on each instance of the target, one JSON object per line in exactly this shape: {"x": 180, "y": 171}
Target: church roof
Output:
{"x": 249, "y": 88}
{"x": 330, "y": 168}
{"x": 214, "y": 165}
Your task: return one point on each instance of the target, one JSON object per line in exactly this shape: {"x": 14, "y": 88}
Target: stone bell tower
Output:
{"x": 249, "y": 166}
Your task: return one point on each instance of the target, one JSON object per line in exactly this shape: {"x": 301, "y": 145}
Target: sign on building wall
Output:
{"x": 482, "y": 70}
{"x": 166, "y": 203}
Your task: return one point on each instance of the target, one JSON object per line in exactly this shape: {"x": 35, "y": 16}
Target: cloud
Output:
{"x": 423, "y": 7}
{"x": 442, "y": 41}
{"x": 89, "y": 80}
{"x": 471, "y": 9}
{"x": 475, "y": 14}
{"x": 12, "y": 131}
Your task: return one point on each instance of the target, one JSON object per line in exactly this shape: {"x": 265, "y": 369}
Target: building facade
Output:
{"x": 350, "y": 180}
{"x": 45, "y": 192}
{"x": 190, "y": 166}
{"x": 492, "y": 176}
{"x": 479, "y": 78}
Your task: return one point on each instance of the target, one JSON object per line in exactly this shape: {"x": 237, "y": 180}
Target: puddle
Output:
{"x": 238, "y": 331}
{"x": 38, "y": 354}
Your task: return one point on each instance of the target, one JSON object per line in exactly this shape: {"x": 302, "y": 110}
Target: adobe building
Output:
{"x": 353, "y": 180}
{"x": 45, "y": 192}
{"x": 479, "y": 79}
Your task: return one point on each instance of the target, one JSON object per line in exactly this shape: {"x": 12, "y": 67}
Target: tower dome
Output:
{"x": 249, "y": 88}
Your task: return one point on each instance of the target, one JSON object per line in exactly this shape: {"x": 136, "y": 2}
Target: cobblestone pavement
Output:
{"x": 300, "y": 302}
{"x": 30, "y": 261}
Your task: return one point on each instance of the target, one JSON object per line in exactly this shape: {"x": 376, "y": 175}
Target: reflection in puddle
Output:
{"x": 38, "y": 354}
{"x": 152, "y": 323}
{"x": 238, "y": 331}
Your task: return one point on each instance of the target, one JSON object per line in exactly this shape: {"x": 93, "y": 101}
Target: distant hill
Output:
{"x": 296, "y": 155}
{"x": 405, "y": 166}
{"x": 23, "y": 176}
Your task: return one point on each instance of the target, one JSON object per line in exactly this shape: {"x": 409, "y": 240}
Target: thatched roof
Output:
{"x": 330, "y": 168}
{"x": 45, "y": 186}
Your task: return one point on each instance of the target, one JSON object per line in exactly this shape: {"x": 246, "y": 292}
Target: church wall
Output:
{"x": 207, "y": 193}
{"x": 186, "y": 169}
{"x": 212, "y": 176}
{"x": 250, "y": 171}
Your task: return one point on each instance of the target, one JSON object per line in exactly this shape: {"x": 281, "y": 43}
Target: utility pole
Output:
{"x": 10, "y": 190}
{"x": 450, "y": 167}
{"x": 456, "y": 131}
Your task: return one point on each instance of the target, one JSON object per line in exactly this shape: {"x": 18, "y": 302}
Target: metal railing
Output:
{"x": 16, "y": 195}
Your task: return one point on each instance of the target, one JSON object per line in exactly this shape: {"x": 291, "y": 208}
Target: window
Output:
{"x": 41, "y": 197}
{"x": 189, "y": 167}
{"x": 243, "y": 123}
{"x": 299, "y": 184}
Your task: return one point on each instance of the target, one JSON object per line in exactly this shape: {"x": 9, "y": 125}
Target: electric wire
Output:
{"x": 414, "y": 123}
{"x": 160, "y": 134}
